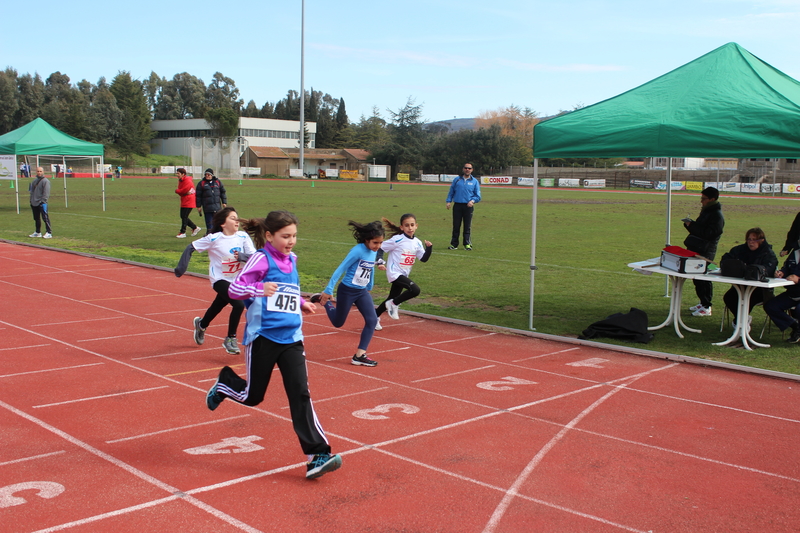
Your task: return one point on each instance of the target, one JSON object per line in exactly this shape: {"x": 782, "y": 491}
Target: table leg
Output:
{"x": 742, "y": 314}
{"x": 674, "y": 316}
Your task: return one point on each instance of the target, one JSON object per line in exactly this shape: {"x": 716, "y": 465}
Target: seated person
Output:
{"x": 776, "y": 307}
{"x": 755, "y": 251}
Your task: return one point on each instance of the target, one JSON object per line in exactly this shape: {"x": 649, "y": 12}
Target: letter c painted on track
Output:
{"x": 46, "y": 489}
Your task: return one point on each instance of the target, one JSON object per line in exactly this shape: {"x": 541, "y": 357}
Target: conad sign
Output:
{"x": 496, "y": 180}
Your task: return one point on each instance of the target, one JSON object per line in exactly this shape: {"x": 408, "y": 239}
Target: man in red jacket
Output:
{"x": 186, "y": 191}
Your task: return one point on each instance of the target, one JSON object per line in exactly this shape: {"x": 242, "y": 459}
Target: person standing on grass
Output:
{"x": 188, "y": 202}
{"x": 270, "y": 286}
{"x": 464, "y": 193}
{"x": 228, "y": 249}
{"x": 358, "y": 267}
{"x": 210, "y": 197}
{"x": 704, "y": 234}
{"x": 403, "y": 249}
{"x": 40, "y": 193}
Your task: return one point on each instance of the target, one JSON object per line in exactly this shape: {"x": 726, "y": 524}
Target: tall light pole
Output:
{"x": 302, "y": 84}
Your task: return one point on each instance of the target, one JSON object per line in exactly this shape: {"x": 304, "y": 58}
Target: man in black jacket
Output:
{"x": 210, "y": 197}
{"x": 704, "y": 234}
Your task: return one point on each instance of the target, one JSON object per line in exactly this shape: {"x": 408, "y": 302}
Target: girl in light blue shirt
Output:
{"x": 358, "y": 269}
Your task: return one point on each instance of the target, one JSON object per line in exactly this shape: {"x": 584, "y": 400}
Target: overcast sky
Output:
{"x": 455, "y": 58}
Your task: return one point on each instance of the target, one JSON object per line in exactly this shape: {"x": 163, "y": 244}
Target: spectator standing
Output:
{"x": 464, "y": 193}
{"x": 187, "y": 193}
{"x": 40, "y": 193}
{"x": 704, "y": 234}
{"x": 210, "y": 197}
{"x": 25, "y": 170}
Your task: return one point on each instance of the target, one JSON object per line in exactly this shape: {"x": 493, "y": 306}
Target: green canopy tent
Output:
{"x": 727, "y": 103}
{"x": 40, "y": 139}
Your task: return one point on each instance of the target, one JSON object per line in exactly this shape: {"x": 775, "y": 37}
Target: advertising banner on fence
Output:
{"x": 751, "y": 188}
{"x": 547, "y": 182}
{"x": 168, "y": 170}
{"x": 496, "y": 180}
{"x": 594, "y": 184}
{"x": 295, "y": 173}
{"x": 447, "y": 177}
{"x": 676, "y": 186}
{"x": 332, "y": 172}
{"x": 348, "y": 174}
{"x": 729, "y": 186}
{"x": 569, "y": 182}
{"x": 402, "y": 176}
{"x": 695, "y": 186}
{"x": 643, "y": 184}
{"x": 525, "y": 181}
{"x": 770, "y": 187}
{"x": 791, "y": 188}
{"x": 8, "y": 167}
{"x": 430, "y": 177}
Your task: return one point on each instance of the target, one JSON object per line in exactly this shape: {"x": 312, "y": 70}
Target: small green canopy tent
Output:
{"x": 41, "y": 139}
{"x": 727, "y": 103}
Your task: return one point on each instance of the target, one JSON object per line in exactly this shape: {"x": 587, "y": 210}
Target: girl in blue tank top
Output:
{"x": 270, "y": 286}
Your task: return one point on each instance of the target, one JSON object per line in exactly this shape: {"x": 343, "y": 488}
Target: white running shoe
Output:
{"x": 195, "y": 231}
{"x": 392, "y": 308}
{"x": 378, "y": 326}
{"x": 35, "y": 234}
{"x": 47, "y": 235}
{"x": 695, "y": 307}
{"x": 703, "y": 311}
{"x": 180, "y": 236}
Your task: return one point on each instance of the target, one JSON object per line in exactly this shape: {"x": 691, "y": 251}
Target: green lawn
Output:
{"x": 585, "y": 240}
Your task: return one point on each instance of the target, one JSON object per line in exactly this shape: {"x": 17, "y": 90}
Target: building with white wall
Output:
{"x": 173, "y": 137}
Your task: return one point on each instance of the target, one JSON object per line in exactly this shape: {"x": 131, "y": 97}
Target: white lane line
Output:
{"x": 513, "y": 491}
{"x": 23, "y": 347}
{"x": 49, "y": 370}
{"x": 170, "y": 430}
{"x": 100, "y": 397}
{"x": 174, "y": 492}
{"x": 454, "y": 373}
{"x": 33, "y": 458}
{"x": 198, "y": 350}
{"x": 125, "y": 336}
{"x": 546, "y": 354}
{"x": 89, "y": 320}
{"x": 461, "y": 339}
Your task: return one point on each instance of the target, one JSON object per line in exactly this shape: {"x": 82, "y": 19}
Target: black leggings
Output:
{"x": 403, "y": 289}
{"x": 219, "y": 303}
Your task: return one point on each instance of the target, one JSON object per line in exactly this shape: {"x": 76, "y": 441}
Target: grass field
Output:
{"x": 585, "y": 240}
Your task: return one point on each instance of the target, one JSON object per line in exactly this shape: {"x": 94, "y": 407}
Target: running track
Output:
{"x": 458, "y": 429}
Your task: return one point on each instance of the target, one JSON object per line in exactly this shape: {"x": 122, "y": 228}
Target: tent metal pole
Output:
{"x": 103, "y": 181}
{"x": 16, "y": 180}
{"x": 533, "y": 239}
{"x": 669, "y": 216}
{"x": 64, "y": 168}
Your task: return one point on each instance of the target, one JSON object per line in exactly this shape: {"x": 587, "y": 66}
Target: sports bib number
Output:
{"x": 285, "y": 300}
{"x": 231, "y": 267}
{"x": 408, "y": 259}
{"x": 363, "y": 273}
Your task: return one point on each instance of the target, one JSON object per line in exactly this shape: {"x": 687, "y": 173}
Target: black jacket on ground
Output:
{"x": 630, "y": 326}
{"x": 704, "y": 233}
{"x": 210, "y": 194}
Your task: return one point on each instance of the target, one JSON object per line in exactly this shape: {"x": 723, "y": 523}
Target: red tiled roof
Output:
{"x": 361, "y": 155}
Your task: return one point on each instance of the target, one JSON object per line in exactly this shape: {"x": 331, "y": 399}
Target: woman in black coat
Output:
{"x": 755, "y": 251}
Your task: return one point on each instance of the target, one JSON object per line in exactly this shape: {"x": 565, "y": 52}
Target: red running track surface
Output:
{"x": 458, "y": 429}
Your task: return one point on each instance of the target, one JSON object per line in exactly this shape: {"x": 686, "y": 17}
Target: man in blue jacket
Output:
{"x": 210, "y": 197}
{"x": 464, "y": 193}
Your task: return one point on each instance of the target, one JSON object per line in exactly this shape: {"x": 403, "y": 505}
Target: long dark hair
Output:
{"x": 219, "y": 218}
{"x": 273, "y": 223}
{"x": 393, "y": 228}
{"x": 366, "y": 232}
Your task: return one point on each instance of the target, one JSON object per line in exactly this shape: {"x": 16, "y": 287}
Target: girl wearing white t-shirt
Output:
{"x": 228, "y": 249}
{"x": 403, "y": 249}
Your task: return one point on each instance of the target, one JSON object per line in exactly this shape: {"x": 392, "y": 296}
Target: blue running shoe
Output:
{"x": 321, "y": 464}
{"x": 213, "y": 399}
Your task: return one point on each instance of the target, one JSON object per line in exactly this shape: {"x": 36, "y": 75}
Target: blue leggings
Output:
{"x": 345, "y": 298}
